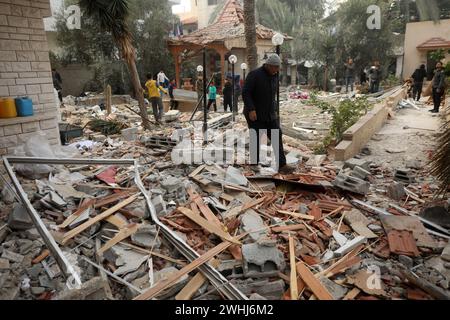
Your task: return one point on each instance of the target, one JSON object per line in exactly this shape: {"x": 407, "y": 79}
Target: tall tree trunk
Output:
{"x": 250, "y": 33}
{"x": 138, "y": 92}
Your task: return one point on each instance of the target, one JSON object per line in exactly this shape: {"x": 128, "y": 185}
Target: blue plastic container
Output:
{"x": 24, "y": 107}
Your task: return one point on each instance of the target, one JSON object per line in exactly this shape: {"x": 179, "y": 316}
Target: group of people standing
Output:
{"x": 212, "y": 91}
{"x": 438, "y": 84}
{"x": 373, "y": 75}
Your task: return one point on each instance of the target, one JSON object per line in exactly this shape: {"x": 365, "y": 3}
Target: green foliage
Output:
{"x": 447, "y": 69}
{"x": 437, "y": 55}
{"x": 106, "y": 127}
{"x": 391, "y": 81}
{"x": 345, "y": 114}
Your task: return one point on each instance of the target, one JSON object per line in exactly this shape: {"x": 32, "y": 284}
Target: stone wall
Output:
{"x": 25, "y": 71}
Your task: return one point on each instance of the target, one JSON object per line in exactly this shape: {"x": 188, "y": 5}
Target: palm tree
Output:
{"x": 112, "y": 16}
{"x": 250, "y": 33}
{"x": 440, "y": 164}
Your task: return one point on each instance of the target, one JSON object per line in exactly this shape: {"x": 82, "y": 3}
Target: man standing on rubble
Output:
{"x": 162, "y": 79}
{"x": 438, "y": 87}
{"x": 349, "y": 75}
{"x": 259, "y": 95}
{"x": 155, "y": 97}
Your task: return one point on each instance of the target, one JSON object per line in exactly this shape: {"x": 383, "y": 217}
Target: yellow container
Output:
{"x": 8, "y": 108}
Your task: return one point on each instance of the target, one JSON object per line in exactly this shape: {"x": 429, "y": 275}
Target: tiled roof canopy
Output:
{"x": 434, "y": 43}
{"x": 228, "y": 25}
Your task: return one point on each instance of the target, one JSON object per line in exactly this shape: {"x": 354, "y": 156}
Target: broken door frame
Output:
{"x": 214, "y": 276}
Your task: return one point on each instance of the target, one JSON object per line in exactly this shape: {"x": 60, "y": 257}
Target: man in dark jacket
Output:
{"x": 418, "y": 76}
{"x": 260, "y": 111}
{"x": 375, "y": 77}
{"x": 227, "y": 95}
{"x": 438, "y": 87}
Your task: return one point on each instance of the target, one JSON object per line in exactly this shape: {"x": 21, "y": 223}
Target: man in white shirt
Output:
{"x": 162, "y": 78}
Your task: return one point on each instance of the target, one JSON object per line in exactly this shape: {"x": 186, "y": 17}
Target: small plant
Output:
{"x": 344, "y": 115}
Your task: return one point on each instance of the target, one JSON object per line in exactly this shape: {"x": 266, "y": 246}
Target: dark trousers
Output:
{"x": 437, "y": 98}
{"x": 417, "y": 90}
{"x": 173, "y": 104}
{"x": 158, "y": 108}
{"x": 273, "y": 131}
{"x": 349, "y": 82}
{"x": 374, "y": 86}
{"x": 227, "y": 104}
{"x": 210, "y": 102}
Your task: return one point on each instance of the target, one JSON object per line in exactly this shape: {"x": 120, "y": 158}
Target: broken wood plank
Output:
{"x": 294, "y": 227}
{"x": 293, "y": 276}
{"x": 252, "y": 204}
{"x": 117, "y": 221}
{"x": 207, "y": 225}
{"x": 426, "y": 286}
{"x": 197, "y": 171}
{"x": 103, "y": 274}
{"x": 158, "y": 288}
{"x": 41, "y": 257}
{"x": 121, "y": 235}
{"x": 72, "y": 233}
{"x": 314, "y": 284}
{"x": 196, "y": 282}
{"x": 204, "y": 209}
{"x": 352, "y": 294}
{"x": 297, "y": 215}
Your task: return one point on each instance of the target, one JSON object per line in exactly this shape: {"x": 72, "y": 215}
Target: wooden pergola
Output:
{"x": 227, "y": 32}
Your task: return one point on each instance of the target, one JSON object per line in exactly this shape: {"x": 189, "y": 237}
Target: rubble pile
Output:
{"x": 343, "y": 231}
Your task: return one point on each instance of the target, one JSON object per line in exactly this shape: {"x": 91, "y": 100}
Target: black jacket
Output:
{"x": 227, "y": 91}
{"x": 439, "y": 80}
{"x": 419, "y": 75}
{"x": 259, "y": 94}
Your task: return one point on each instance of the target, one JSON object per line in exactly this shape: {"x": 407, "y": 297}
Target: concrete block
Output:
{"x": 22, "y": 66}
{"x": 160, "y": 205}
{"x": 316, "y": 160}
{"x": 19, "y": 219}
{"x": 446, "y": 253}
{"x": 93, "y": 289}
{"x": 40, "y": 66}
{"x": 33, "y": 89}
{"x": 163, "y": 274}
{"x": 48, "y": 124}
{"x": 353, "y": 162}
{"x": 262, "y": 261}
{"x": 360, "y": 173}
{"x": 12, "y": 129}
{"x": 14, "y": 21}
{"x": 17, "y": 90}
{"x": 12, "y": 256}
{"x": 271, "y": 290}
{"x": 8, "y": 55}
{"x": 7, "y": 82}
{"x": 25, "y": 55}
{"x": 36, "y": 23}
{"x": 405, "y": 176}
{"x": 4, "y": 91}
{"x": 30, "y": 127}
{"x": 351, "y": 184}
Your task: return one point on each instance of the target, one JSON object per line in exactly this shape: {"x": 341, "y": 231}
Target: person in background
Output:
{"x": 162, "y": 79}
{"x": 349, "y": 74}
{"x": 57, "y": 84}
{"x": 199, "y": 87}
{"x": 155, "y": 97}
{"x": 227, "y": 95}
{"x": 375, "y": 77}
{"x": 259, "y": 94}
{"x": 418, "y": 77}
{"x": 212, "y": 96}
{"x": 438, "y": 87}
{"x": 363, "y": 77}
{"x": 173, "y": 102}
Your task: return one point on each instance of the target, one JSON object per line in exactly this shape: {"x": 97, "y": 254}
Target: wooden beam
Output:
{"x": 121, "y": 235}
{"x": 293, "y": 284}
{"x": 297, "y": 215}
{"x": 208, "y": 226}
{"x": 313, "y": 283}
{"x": 72, "y": 233}
{"x": 352, "y": 294}
{"x": 294, "y": 227}
{"x": 158, "y": 288}
{"x": 252, "y": 204}
{"x": 207, "y": 213}
{"x": 196, "y": 282}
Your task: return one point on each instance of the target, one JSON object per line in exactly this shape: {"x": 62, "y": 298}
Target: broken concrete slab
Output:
{"x": 446, "y": 253}
{"x": 360, "y": 173}
{"x": 19, "y": 219}
{"x": 4, "y": 264}
{"x": 359, "y": 222}
{"x": 262, "y": 261}
{"x": 127, "y": 260}
{"x": 256, "y": 296}
{"x": 396, "y": 191}
{"x": 93, "y": 289}
{"x": 405, "y": 176}
{"x": 352, "y": 184}
{"x": 130, "y": 134}
{"x": 437, "y": 214}
{"x": 337, "y": 291}
{"x": 234, "y": 176}
{"x": 252, "y": 222}
{"x": 146, "y": 236}
{"x": 353, "y": 162}
{"x": 12, "y": 256}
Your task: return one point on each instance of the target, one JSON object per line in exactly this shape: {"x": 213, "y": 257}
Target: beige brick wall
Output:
{"x": 25, "y": 69}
